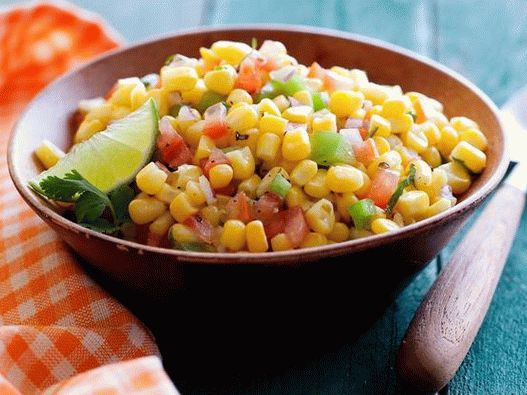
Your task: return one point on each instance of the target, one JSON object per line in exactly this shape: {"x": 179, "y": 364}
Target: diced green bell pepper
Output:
{"x": 329, "y": 148}
{"x": 362, "y": 212}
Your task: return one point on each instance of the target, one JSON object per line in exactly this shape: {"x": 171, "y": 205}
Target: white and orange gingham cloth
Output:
{"x": 59, "y": 332}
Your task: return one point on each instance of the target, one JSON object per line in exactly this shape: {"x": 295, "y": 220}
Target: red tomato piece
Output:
{"x": 216, "y": 157}
{"x": 201, "y": 227}
{"x": 229, "y": 190}
{"x": 383, "y": 186}
{"x": 296, "y": 227}
{"x": 239, "y": 207}
{"x": 317, "y": 71}
{"x": 249, "y": 76}
{"x": 267, "y": 206}
{"x": 366, "y": 152}
{"x": 275, "y": 224}
{"x": 171, "y": 145}
{"x": 216, "y": 129}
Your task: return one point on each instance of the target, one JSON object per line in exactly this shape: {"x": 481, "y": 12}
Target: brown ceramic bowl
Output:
{"x": 142, "y": 267}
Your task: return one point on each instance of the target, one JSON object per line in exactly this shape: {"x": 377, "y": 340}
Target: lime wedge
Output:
{"x": 113, "y": 157}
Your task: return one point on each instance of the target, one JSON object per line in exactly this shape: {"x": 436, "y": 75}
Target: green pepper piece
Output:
{"x": 268, "y": 91}
{"x": 362, "y": 212}
{"x": 209, "y": 99}
{"x": 290, "y": 87}
{"x": 280, "y": 186}
{"x": 320, "y": 100}
{"x": 329, "y": 148}
{"x": 400, "y": 188}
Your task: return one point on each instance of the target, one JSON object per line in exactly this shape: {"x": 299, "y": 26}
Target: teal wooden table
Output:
{"x": 484, "y": 41}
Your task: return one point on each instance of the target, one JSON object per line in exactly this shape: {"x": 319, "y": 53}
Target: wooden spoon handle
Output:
{"x": 449, "y": 317}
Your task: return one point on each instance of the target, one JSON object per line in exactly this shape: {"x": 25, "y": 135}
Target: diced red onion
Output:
{"x": 294, "y": 102}
{"x": 367, "y": 105}
{"x": 353, "y": 123}
{"x": 206, "y": 189}
{"x": 292, "y": 126}
{"x": 215, "y": 112}
{"x": 284, "y": 74}
{"x": 165, "y": 126}
{"x": 186, "y": 114}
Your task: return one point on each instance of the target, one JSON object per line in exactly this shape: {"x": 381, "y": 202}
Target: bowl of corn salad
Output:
{"x": 258, "y": 145}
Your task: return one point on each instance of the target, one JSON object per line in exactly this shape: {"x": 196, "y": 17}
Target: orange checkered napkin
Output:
{"x": 59, "y": 332}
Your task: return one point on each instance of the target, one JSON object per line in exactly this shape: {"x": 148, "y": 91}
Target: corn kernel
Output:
{"x": 267, "y": 146}
{"x": 339, "y": 233}
{"x": 431, "y": 132}
{"x": 342, "y": 179}
{"x": 230, "y": 51}
{"x": 273, "y": 124}
{"x": 220, "y": 176}
{"x": 205, "y": 147}
{"x": 314, "y": 239}
{"x": 440, "y": 205}
{"x": 183, "y": 234}
{"x": 325, "y": 122}
{"x": 194, "y": 95}
{"x": 150, "y": 179}
{"x": 242, "y": 163}
{"x": 299, "y": 114}
{"x": 402, "y": 123}
{"x": 137, "y": 97}
{"x": 282, "y": 103}
{"x": 304, "y": 171}
{"x": 462, "y": 123}
{"x": 423, "y": 174}
{"x": 366, "y": 183}
{"x": 249, "y": 186}
{"x": 184, "y": 174}
{"x": 280, "y": 242}
{"x": 345, "y": 103}
{"x": 412, "y": 204}
{"x": 221, "y": 80}
{"x": 391, "y": 158}
{"x": 167, "y": 193}
{"x": 359, "y": 233}
{"x": 447, "y": 142}
{"x": 343, "y": 201}
{"x": 161, "y": 225}
{"x": 296, "y": 197}
{"x": 415, "y": 140}
{"x": 234, "y": 235}
{"x": 239, "y": 96}
{"x": 396, "y": 106}
{"x": 474, "y": 137}
{"x": 304, "y": 97}
{"x": 432, "y": 156}
{"x": 439, "y": 180}
{"x": 145, "y": 210}
{"x": 210, "y": 59}
{"x": 316, "y": 186}
{"x": 471, "y": 157}
{"x": 256, "y": 238}
{"x": 48, "y": 153}
{"x": 194, "y": 132}
{"x": 379, "y": 126}
{"x": 382, "y": 225}
{"x": 181, "y": 207}
{"x": 88, "y": 128}
{"x": 124, "y": 88}
{"x": 212, "y": 214}
{"x": 195, "y": 194}
{"x": 376, "y": 93}
{"x": 383, "y": 146}
{"x": 321, "y": 217}
{"x": 268, "y": 106}
{"x": 296, "y": 145}
{"x": 242, "y": 117}
{"x": 179, "y": 78}
{"x": 160, "y": 97}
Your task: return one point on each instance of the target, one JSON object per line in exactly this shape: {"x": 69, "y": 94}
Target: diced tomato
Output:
{"x": 201, "y": 227}
{"x": 275, "y": 224}
{"x": 267, "y": 206}
{"x": 249, "y": 76}
{"x": 171, "y": 145}
{"x": 216, "y": 157}
{"x": 364, "y": 129}
{"x": 216, "y": 129}
{"x": 296, "y": 227}
{"x": 229, "y": 190}
{"x": 239, "y": 207}
{"x": 366, "y": 152}
{"x": 317, "y": 71}
{"x": 383, "y": 186}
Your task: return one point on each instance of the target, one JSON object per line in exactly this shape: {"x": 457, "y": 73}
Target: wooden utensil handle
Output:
{"x": 449, "y": 317}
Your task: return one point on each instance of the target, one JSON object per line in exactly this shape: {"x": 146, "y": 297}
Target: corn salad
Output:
{"x": 257, "y": 152}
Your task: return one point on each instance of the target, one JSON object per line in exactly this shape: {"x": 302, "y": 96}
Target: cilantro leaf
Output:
{"x": 100, "y": 225}
{"x": 400, "y": 188}
{"x": 120, "y": 199}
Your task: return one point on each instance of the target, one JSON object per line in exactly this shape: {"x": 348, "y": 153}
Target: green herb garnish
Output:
{"x": 400, "y": 188}
{"x": 254, "y": 43}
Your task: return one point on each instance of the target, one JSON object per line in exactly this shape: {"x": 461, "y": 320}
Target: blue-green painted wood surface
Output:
{"x": 486, "y": 42}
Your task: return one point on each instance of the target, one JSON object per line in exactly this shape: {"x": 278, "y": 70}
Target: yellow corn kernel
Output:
{"x": 183, "y": 234}
{"x": 376, "y": 93}
{"x": 423, "y": 174}
{"x": 359, "y": 233}
{"x": 382, "y": 225}
{"x": 412, "y": 204}
{"x": 268, "y": 106}
{"x": 194, "y": 95}
{"x": 160, "y": 96}
{"x": 345, "y": 103}
{"x": 447, "y": 142}
{"x": 321, "y": 217}
{"x": 299, "y": 114}
{"x": 392, "y": 158}
{"x": 184, "y": 174}
{"x": 314, "y": 239}
{"x": 462, "y": 123}
{"x": 359, "y": 77}
{"x": 249, "y": 139}
{"x": 145, "y": 210}
{"x": 273, "y": 124}
{"x": 88, "y": 128}
{"x": 210, "y": 59}
{"x": 234, "y": 235}
{"x": 296, "y": 197}
{"x": 281, "y": 102}
{"x": 167, "y": 193}
{"x": 212, "y": 214}
{"x": 383, "y": 146}
{"x": 342, "y": 179}
{"x": 230, "y": 51}
{"x": 137, "y": 97}
{"x": 179, "y": 78}
{"x": 440, "y": 205}
{"x": 366, "y": 183}
{"x": 48, "y": 153}
{"x": 267, "y": 146}
{"x": 339, "y": 233}
{"x": 474, "y": 137}
{"x": 281, "y": 243}
{"x": 220, "y": 176}
{"x": 249, "y": 186}
{"x": 161, "y": 225}
{"x": 296, "y": 145}
{"x": 242, "y": 117}
{"x": 304, "y": 171}
{"x": 255, "y": 237}
{"x": 239, "y": 96}
{"x": 150, "y": 179}
{"x": 181, "y": 207}
{"x": 304, "y": 97}
{"x": 221, "y": 79}
{"x": 195, "y": 193}
{"x": 431, "y": 156}
{"x": 121, "y": 95}
{"x": 379, "y": 126}
{"x": 326, "y": 122}
{"x": 431, "y": 131}
{"x": 402, "y": 123}
{"x": 205, "y": 147}
{"x": 242, "y": 163}
{"x": 415, "y": 140}
{"x": 439, "y": 180}
{"x": 316, "y": 187}
{"x": 87, "y": 106}
{"x": 194, "y": 132}
{"x": 343, "y": 201}
{"x": 471, "y": 157}
{"x": 396, "y": 106}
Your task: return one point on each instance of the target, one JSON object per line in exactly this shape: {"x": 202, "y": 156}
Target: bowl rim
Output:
{"x": 270, "y": 257}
